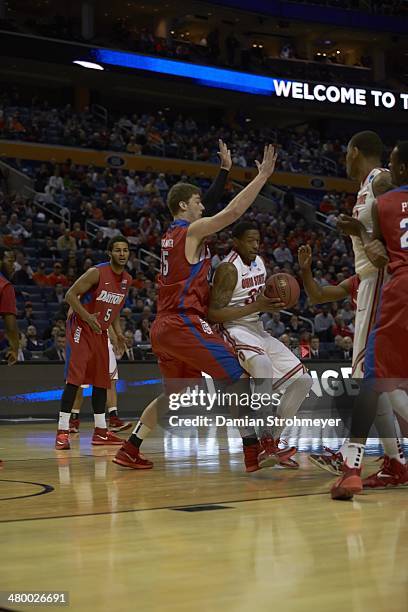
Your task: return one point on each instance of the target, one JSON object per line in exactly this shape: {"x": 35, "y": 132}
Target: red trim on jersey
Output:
{"x": 289, "y": 375}
{"x": 237, "y": 347}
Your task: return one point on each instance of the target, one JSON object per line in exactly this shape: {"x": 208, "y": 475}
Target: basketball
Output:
{"x": 283, "y": 286}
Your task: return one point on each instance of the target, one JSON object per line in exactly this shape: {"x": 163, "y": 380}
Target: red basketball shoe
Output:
{"x": 331, "y": 461}
{"x": 271, "y": 454}
{"x": 73, "y": 425}
{"x": 131, "y": 457}
{"x": 350, "y": 483}
{"x": 62, "y": 440}
{"x": 116, "y": 424}
{"x": 104, "y": 437}
{"x": 251, "y": 457}
{"x": 392, "y": 473}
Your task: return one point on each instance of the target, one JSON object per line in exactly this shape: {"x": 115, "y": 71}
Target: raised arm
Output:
{"x": 202, "y": 228}
{"x": 224, "y": 282}
{"x": 81, "y": 286}
{"x": 316, "y": 293}
{"x": 216, "y": 190}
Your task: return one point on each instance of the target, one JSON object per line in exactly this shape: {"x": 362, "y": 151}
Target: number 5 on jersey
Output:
{"x": 164, "y": 267}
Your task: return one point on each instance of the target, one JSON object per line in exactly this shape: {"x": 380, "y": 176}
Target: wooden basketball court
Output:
{"x": 195, "y": 533}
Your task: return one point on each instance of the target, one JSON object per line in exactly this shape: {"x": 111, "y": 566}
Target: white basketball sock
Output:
{"x": 100, "y": 420}
{"x": 353, "y": 454}
{"x": 63, "y": 421}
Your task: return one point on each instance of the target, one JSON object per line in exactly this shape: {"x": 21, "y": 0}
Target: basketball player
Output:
{"x": 96, "y": 299}
{"x": 181, "y": 337}
{"x": 8, "y": 308}
{"x": 114, "y": 422}
{"x": 385, "y": 359}
{"x": 363, "y": 160}
{"x": 236, "y": 300}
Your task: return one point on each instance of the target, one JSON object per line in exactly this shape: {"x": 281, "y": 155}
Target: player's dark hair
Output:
{"x": 402, "y": 147}
{"x": 114, "y": 240}
{"x": 368, "y": 143}
{"x": 245, "y": 226}
{"x": 180, "y": 192}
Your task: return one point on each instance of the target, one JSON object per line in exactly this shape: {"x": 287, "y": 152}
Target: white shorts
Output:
{"x": 368, "y": 296}
{"x": 113, "y": 364}
{"x": 251, "y": 339}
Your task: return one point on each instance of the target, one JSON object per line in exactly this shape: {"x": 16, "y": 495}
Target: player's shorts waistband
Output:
{"x": 370, "y": 274}
{"x": 179, "y": 313}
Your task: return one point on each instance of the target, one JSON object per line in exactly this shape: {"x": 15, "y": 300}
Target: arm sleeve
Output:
{"x": 8, "y": 301}
{"x": 215, "y": 192}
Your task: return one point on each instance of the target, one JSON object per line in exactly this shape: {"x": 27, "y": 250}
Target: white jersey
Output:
{"x": 363, "y": 212}
{"x": 250, "y": 281}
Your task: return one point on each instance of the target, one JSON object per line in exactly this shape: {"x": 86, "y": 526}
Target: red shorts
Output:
{"x": 386, "y": 352}
{"x": 87, "y": 356}
{"x": 186, "y": 346}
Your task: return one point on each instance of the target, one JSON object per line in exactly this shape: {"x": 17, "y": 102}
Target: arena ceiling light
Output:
{"x": 90, "y": 65}
{"x": 205, "y": 75}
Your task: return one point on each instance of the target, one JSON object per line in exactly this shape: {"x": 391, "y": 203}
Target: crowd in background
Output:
{"x": 101, "y": 203}
{"x": 160, "y": 134}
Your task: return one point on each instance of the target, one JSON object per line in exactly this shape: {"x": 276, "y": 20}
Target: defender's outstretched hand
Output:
{"x": 305, "y": 257}
{"x": 266, "y": 168}
{"x": 225, "y": 156}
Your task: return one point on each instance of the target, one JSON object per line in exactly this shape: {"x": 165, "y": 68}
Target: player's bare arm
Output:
{"x": 81, "y": 286}
{"x": 223, "y": 287}
{"x": 11, "y": 329}
{"x": 316, "y": 293}
{"x": 202, "y": 228}
{"x": 382, "y": 183}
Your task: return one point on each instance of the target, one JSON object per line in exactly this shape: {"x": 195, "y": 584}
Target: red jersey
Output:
{"x": 183, "y": 287}
{"x": 7, "y": 297}
{"x": 393, "y": 216}
{"x": 108, "y": 296}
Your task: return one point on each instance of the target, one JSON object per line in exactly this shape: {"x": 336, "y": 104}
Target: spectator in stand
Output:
{"x": 80, "y": 237}
{"x": 112, "y": 230}
{"x": 315, "y": 350}
{"x": 23, "y": 353}
{"x": 347, "y": 313}
{"x": 99, "y": 243}
{"x": 56, "y": 352}
{"x": 24, "y": 273}
{"x": 347, "y": 346}
{"x": 324, "y": 323}
{"x": 131, "y": 352}
{"x": 27, "y": 314}
{"x": 282, "y": 254}
{"x": 58, "y": 295}
{"x": 294, "y": 327}
{"x": 57, "y": 277}
{"x": 66, "y": 242}
{"x": 33, "y": 343}
{"x": 142, "y": 333}
{"x": 274, "y": 326}
{"x": 15, "y": 229}
{"x": 39, "y": 277}
{"x": 48, "y": 250}
{"x": 294, "y": 346}
{"x": 340, "y": 329}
